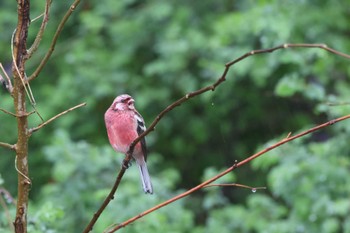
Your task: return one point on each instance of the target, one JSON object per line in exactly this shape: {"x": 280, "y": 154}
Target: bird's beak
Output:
{"x": 131, "y": 102}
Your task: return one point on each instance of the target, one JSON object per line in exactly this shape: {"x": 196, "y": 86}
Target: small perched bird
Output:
{"x": 124, "y": 124}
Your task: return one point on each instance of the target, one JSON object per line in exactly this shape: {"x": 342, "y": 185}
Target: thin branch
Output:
{"x": 16, "y": 115}
{"x": 236, "y": 165}
{"x": 177, "y": 103}
{"x": 24, "y": 82}
{"x": 253, "y": 189}
{"x": 32, "y": 130}
{"x": 7, "y": 112}
{"x": 23, "y": 79}
{"x": 222, "y": 79}
{"x": 8, "y": 146}
{"x": 285, "y": 46}
{"x": 40, "y": 34}
{"x": 54, "y": 40}
{"x": 26, "y": 178}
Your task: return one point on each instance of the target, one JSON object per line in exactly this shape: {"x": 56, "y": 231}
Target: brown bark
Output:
{"x": 19, "y": 96}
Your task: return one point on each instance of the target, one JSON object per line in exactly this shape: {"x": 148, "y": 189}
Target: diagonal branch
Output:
{"x": 7, "y": 112}
{"x": 230, "y": 169}
{"x": 40, "y": 33}
{"x": 54, "y": 40}
{"x": 32, "y": 130}
{"x": 183, "y": 99}
{"x": 235, "y": 184}
{"x": 222, "y": 79}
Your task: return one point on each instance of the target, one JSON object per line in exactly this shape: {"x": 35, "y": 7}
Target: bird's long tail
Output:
{"x": 145, "y": 178}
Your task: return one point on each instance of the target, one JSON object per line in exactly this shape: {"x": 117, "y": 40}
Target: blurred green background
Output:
{"x": 158, "y": 51}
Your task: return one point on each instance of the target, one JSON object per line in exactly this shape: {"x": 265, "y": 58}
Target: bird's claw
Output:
{"x": 126, "y": 164}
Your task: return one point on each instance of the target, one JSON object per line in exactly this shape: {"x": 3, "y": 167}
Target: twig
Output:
{"x": 223, "y": 78}
{"x": 24, "y": 82}
{"x": 204, "y": 184}
{"x": 54, "y": 40}
{"x": 16, "y": 115}
{"x": 234, "y": 184}
{"x": 338, "y": 104}
{"x": 177, "y": 103}
{"x": 32, "y": 130}
{"x": 40, "y": 33}
{"x": 26, "y": 178}
{"x": 8, "y": 146}
{"x": 7, "y": 112}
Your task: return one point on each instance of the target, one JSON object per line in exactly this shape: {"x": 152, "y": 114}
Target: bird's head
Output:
{"x": 123, "y": 102}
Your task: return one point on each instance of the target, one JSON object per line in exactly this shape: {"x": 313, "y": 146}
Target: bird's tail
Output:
{"x": 145, "y": 178}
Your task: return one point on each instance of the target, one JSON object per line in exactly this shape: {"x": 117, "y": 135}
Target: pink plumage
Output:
{"x": 124, "y": 124}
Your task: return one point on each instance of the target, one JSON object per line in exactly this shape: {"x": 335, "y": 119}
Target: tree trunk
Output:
{"x": 19, "y": 95}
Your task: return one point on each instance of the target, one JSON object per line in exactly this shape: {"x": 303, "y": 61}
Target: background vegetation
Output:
{"x": 158, "y": 51}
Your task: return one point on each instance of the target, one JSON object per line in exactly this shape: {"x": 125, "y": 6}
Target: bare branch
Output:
{"x": 7, "y": 112}
{"x": 16, "y": 115}
{"x": 206, "y": 183}
{"x": 223, "y": 78}
{"x": 177, "y": 103}
{"x": 39, "y": 36}
{"x": 8, "y": 146}
{"x": 54, "y": 40}
{"x": 32, "y": 130}
{"x": 285, "y": 46}
{"x": 253, "y": 189}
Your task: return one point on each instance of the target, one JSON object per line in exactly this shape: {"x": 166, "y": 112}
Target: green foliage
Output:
{"x": 158, "y": 51}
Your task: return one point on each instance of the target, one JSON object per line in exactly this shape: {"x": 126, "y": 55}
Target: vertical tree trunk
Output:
{"x": 19, "y": 95}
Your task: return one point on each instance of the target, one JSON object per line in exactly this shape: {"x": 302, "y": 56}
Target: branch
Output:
{"x": 54, "y": 40}
{"x": 177, "y": 103}
{"x": 285, "y": 46}
{"x": 39, "y": 36}
{"x": 222, "y": 79}
{"x": 230, "y": 169}
{"x": 8, "y": 146}
{"x": 32, "y": 130}
{"x": 7, "y": 112}
{"x": 253, "y": 189}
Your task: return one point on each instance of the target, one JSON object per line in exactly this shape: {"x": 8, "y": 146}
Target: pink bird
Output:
{"x": 124, "y": 124}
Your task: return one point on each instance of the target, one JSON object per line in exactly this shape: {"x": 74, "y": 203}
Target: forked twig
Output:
{"x": 54, "y": 40}
{"x": 40, "y": 33}
{"x": 24, "y": 82}
{"x": 177, "y": 103}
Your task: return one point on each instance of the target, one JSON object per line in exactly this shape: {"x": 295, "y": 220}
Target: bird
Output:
{"x": 124, "y": 124}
